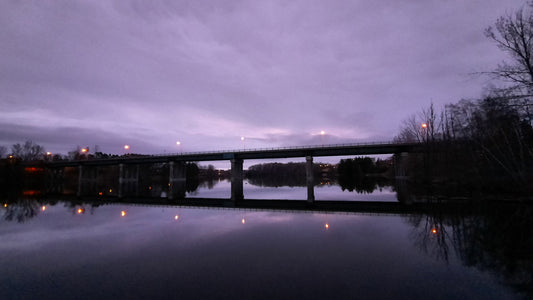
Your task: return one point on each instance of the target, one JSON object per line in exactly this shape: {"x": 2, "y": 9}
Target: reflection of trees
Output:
{"x": 363, "y": 184}
{"x": 21, "y": 210}
{"x": 275, "y": 181}
{"x": 497, "y": 239}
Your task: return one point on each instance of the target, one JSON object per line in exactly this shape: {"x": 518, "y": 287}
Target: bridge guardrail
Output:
{"x": 282, "y": 148}
{"x": 241, "y": 151}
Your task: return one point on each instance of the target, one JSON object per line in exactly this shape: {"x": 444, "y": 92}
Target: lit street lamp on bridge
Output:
{"x": 322, "y": 133}
{"x": 179, "y": 147}
{"x": 424, "y": 131}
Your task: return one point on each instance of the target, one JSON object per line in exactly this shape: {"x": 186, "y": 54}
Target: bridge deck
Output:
{"x": 287, "y": 152}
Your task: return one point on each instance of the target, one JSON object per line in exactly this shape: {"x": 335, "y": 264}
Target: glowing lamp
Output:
{"x": 126, "y": 147}
{"x": 326, "y": 226}
{"x": 176, "y": 217}
{"x": 434, "y": 230}
{"x": 424, "y": 125}
{"x": 80, "y": 210}
{"x": 123, "y": 213}
{"x": 43, "y": 208}
{"x": 243, "y": 221}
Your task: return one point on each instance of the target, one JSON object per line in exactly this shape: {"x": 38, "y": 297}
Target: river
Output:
{"x": 56, "y": 247}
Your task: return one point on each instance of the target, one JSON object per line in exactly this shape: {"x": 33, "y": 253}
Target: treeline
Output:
{"x": 485, "y": 145}
{"x": 363, "y": 166}
{"x": 279, "y": 174}
{"x": 363, "y": 174}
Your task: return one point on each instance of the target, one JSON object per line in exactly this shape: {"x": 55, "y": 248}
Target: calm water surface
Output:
{"x": 131, "y": 251}
{"x": 222, "y": 189}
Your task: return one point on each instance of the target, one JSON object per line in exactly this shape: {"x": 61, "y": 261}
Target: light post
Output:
{"x": 424, "y": 131}
{"x": 322, "y": 133}
{"x": 126, "y": 149}
{"x": 179, "y": 147}
{"x": 243, "y": 143}
{"x": 84, "y": 152}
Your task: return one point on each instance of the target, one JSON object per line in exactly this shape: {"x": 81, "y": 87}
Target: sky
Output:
{"x": 206, "y": 73}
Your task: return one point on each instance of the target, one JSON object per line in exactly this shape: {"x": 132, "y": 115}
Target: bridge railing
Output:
{"x": 305, "y": 147}
{"x": 240, "y": 151}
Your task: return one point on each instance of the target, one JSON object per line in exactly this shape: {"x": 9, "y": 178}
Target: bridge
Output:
{"x": 176, "y": 163}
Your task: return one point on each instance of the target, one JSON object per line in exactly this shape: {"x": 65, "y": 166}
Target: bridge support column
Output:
{"x": 55, "y": 178}
{"x": 87, "y": 180}
{"x": 176, "y": 180}
{"x": 170, "y": 179}
{"x": 399, "y": 164}
{"x": 236, "y": 180}
{"x": 80, "y": 180}
{"x": 128, "y": 180}
{"x": 310, "y": 179}
{"x": 120, "y": 180}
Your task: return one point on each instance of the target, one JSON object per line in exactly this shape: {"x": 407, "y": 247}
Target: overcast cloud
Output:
{"x": 149, "y": 73}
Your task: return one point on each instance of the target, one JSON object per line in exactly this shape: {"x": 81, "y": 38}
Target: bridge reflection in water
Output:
{"x": 125, "y": 172}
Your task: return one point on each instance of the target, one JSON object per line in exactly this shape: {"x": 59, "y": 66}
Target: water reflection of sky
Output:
{"x": 212, "y": 253}
{"x": 222, "y": 189}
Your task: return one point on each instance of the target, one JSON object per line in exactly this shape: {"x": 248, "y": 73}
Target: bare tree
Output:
{"x": 28, "y": 151}
{"x": 514, "y": 34}
{"x": 424, "y": 126}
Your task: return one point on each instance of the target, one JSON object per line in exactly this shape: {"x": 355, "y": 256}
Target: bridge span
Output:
{"x": 176, "y": 162}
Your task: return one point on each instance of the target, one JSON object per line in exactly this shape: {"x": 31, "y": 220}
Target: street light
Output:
{"x": 179, "y": 146}
{"x": 243, "y": 143}
{"x": 424, "y": 131}
{"x": 322, "y": 133}
{"x": 126, "y": 147}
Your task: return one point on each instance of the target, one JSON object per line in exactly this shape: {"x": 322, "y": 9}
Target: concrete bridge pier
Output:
{"x": 310, "y": 179}
{"x": 176, "y": 180}
{"x": 400, "y": 160}
{"x": 128, "y": 180}
{"x": 87, "y": 177}
{"x": 80, "y": 180}
{"x": 236, "y": 180}
{"x": 55, "y": 178}
{"x": 120, "y": 180}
